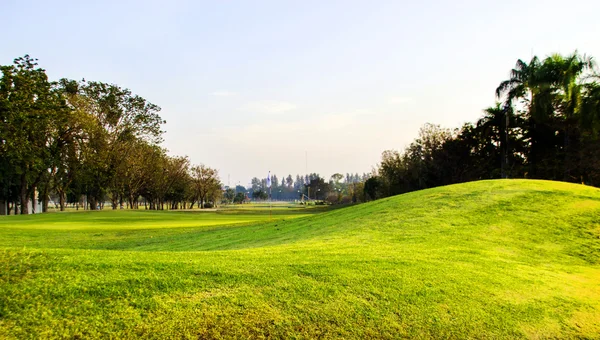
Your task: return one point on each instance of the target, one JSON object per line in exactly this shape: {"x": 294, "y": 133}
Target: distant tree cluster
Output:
{"x": 86, "y": 142}
{"x": 546, "y": 125}
{"x": 338, "y": 189}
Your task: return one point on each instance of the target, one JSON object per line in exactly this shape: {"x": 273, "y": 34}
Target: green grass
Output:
{"x": 489, "y": 259}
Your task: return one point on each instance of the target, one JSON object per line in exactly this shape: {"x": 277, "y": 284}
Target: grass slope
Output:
{"x": 509, "y": 258}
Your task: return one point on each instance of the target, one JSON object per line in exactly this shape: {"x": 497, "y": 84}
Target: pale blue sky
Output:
{"x": 249, "y": 86}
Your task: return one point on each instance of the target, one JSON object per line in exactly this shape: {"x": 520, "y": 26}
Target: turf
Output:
{"x": 488, "y": 259}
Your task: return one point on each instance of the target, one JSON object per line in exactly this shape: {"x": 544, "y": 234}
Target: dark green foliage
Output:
{"x": 546, "y": 127}
{"x": 27, "y": 105}
{"x": 85, "y": 143}
{"x": 260, "y": 194}
{"x": 240, "y": 197}
{"x": 372, "y": 187}
{"x": 229, "y": 195}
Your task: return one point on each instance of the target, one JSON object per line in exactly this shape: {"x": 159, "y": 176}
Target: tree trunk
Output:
{"x": 61, "y": 200}
{"x": 23, "y": 195}
{"x": 114, "y": 201}
{"x": 567, "y": 151}
{"x": 45, "y": 198}
{"x": 45, "y": 202}
{"x": 531, "y": 157}
{"x": 93, "y": 204}
{"x": 33, "y": 200}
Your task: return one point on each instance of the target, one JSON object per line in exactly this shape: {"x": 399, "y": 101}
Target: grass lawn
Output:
{"x": 489, "y": 259}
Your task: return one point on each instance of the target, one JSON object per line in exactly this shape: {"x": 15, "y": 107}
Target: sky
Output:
{"x": 291, "y": 87}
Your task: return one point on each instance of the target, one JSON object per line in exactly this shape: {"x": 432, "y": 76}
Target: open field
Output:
{"x": 489, "y": 259}
{"x": 116, "y": 229}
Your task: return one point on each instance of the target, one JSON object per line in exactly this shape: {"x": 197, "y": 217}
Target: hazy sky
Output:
{"x": 250, "y": 86}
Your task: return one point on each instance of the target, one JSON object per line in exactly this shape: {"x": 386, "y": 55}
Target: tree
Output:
{"x": 205, "y": 180}
{"x": 588, "y": 152}
{"x": 260, "y": 194}
{"x": 566, "y": 79}
{"x": 530, "y": 87}
{"x": 27, "y": 104}
{"x": 79, "y": 141}
{"x": 229, "y": 195}
{"x": 274, "y": 182}
{"x": 256, "y": 184}
{"x": 494, "y": 127}
{"x": 318, "y": 187}
{"x": 70, "y": 139}
{"x": 240, "y": 197}
{"x": 372, "y": 187}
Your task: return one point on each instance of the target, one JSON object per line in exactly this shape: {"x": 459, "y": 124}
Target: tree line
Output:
{"x": 87, "y": 142}
{"x": 545, "y": 125}
{"x": 338, "y": 189}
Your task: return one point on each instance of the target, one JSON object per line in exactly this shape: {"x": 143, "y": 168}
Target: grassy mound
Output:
{"x": 509, "y": 258}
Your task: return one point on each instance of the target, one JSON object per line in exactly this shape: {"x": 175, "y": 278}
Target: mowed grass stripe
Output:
{"x": 143, "y": 219}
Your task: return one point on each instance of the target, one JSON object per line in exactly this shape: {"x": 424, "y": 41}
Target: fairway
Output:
{"x": 487, "y": 259}
{"x": 149, "y": 219}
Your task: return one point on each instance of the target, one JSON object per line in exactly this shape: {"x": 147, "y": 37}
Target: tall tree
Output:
{"x": 530, "y": 88}
{"x": 495, "y": 127}
{"x": 27, "y": 104}
{"x": 566, "y": 79}
{"x": 205, "y": 180}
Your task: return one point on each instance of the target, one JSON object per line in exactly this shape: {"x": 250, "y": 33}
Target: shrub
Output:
{"x": 346, "y": 199}
{"x": 332, "y": 198}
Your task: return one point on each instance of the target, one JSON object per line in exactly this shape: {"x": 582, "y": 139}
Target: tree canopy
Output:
{"x": 87, "y": 142}
{"x": 545, "y": 125}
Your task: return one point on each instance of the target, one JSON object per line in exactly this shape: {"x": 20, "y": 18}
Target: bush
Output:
{"x": 332, "y": 198}
{"x": 208, "y": 205}
{"x": 346, "y": 199}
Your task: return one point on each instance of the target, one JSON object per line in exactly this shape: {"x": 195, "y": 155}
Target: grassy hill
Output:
{"x": 507, "y": 258}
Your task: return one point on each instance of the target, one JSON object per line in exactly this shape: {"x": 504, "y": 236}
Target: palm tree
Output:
{"x": 494, "y": 126}
{"x": 589, "y": 127}
{"x": 529, "y": 87}
{"x": 521, "y": 83}
{"x": 565, "y": 74}
{"x": 589, "y": 115}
